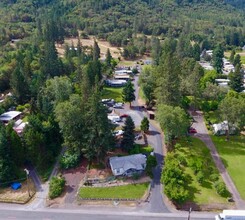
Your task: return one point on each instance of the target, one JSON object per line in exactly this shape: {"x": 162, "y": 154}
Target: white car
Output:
{"x": 118, "y": 105}
{"x": 118, "y": 133}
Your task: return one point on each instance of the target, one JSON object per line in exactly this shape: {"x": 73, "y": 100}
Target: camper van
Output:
{"x": 231, "y": 215}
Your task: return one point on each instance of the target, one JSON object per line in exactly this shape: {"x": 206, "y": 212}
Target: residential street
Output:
{"x": 202, "y": 134}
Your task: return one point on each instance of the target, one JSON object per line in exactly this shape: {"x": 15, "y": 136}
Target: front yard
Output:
{"x": 233, "y": 156}
{"x": 112, "y": 93}
{"x": 197, "y": 156}
{"x": 131, "y": 191}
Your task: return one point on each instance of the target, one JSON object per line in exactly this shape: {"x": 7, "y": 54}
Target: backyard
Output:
{"x": 131, "y": 191}
{"x": 112, "y": 93}
{"x": 233, "y": 156}
{"x": 197, "y": 155}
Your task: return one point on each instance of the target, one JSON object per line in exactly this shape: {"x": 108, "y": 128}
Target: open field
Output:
{"x": 104, "y": 45}
{"x": 204, "y": 193}
{"x": 112, "y": 93}
{"x": 233, "y": 156}
{"x": 242, "y": 54}
{"x": 131, "y": 191}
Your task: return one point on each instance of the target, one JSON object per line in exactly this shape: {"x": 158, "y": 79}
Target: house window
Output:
{"x": 143, "y": 166}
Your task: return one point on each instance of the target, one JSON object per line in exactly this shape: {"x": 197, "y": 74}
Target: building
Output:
{"x": 19, "y": 126}
{"x": 128, "y": 165}
{"x": 11, "y": 115}
{"x": 115, "y": 83}
{"x": 222, "y": 128}
{"x": 122, "y": 77}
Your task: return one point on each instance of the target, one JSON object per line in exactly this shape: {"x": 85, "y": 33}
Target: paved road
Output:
{"x": 204, "y": 136}
{"x": 55, "y": 214}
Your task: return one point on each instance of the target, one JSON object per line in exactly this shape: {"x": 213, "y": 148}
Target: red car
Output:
{"x": 192, "y": 130}
{"x": 123, "y": 116}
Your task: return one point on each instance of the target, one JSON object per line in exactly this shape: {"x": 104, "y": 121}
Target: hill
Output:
{"x": 212, "y": 19}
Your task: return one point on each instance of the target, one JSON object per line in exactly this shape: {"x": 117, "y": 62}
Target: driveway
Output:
{"x": 202, "y": 134}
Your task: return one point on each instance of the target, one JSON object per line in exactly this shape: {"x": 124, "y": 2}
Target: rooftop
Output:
{"x": 8, "y": 116}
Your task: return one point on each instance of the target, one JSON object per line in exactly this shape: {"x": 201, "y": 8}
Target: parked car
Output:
{"x": 118, "y": 105}
{"x": 123, "y": 116}
{"x": 138, "y": 137}
{"x": 192, "y": 130}
{"x": 118, "y": 133}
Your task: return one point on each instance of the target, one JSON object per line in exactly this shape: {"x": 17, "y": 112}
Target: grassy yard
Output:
{"x": 243, "y": 59}
{"x": 204, "y": 193}
{"x": 133, "y": 191}
{"x": 233, "y": 156}
{"x": 112, "y": 93}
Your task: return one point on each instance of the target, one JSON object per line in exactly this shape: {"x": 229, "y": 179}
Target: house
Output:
{"x": 128, "y": 165}
{"x": 222, "y": 82}
{"x": 122, "y": 77}
{"x": 115, "y": 83}
{"x": 19, "y": 126}
{"x": 222, "y": 128}
{"x": 11, "y": 115}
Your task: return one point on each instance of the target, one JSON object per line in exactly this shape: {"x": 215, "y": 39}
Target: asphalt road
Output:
{"x": 75, "y": 215}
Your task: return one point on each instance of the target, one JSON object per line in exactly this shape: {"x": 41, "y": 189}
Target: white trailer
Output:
{"x": 231, "y": 215}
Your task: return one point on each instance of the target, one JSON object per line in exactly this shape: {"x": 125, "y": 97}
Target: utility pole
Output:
{"x": 189, "y": 215}
{"x": 27, "y": 181}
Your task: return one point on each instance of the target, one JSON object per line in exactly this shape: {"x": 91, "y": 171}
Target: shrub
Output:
{"x": 221, "y": 189}
{"x": 150, "y": 164}
{"x": 56, "y": 187}
{"x": 200, "y": 177}
{"x": 214, "y": 177}
{"x": 69, "y": 160}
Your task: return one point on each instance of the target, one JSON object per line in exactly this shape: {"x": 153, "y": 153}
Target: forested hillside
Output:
{"x": 212, "y": 19}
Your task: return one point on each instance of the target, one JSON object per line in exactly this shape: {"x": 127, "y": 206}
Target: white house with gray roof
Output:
{"x": 128, "y": 165}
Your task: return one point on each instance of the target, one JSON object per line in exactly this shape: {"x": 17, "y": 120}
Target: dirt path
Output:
{"x": 202, "y": 134}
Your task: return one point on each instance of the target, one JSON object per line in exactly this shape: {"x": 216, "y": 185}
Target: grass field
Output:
{"x": 112, "y": 93}
{"x": 242, "y": 54}
{"x": 233, "y": 156}
{"x": 133, "y": 191}
{"x": 200, "y": 193}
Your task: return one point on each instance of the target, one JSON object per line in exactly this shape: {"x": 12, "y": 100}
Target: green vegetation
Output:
{"x": 233, "y": 156}
{"x": 141, "y": 149}
{"x": 198, "y": 171}
{"x": 150, "y": 164}
{"x": 56, "y": 187}
{"x": 112, "y": 93}
{"x": 134, "y": 191}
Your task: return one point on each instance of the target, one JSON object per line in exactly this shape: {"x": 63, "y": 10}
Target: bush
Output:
{"x": 69, "y": 160}
{"x": 56, "y": 187}
{"x": 150, "y": 164}
{"x": 221, "y": 189}
{"x": 214, "y": 177}
{"x": 200, "y": 177}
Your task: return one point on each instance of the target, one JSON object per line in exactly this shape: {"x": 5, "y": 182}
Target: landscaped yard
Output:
{"x": 112, "y": 93}
{"x": 196, "y": 151}
{"x": 233, "y": 156}
{"x": 132, "y": 191}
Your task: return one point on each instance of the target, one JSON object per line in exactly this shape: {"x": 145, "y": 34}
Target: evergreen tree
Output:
{"x": 108, "y": 58}
{"x": 96, "y": 51}
{"x": 128, "y": 92}
{"x": 237, "y": 61}
{"x": 144, "y": 126}
{"x": 232, "y": 56}
{"x": 128, "y": 136}
{"x": 236, "y": 79}
{"x": 218, "y": 55}
{"x": 6, "y": 163}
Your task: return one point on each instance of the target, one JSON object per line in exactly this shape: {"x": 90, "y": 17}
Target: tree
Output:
{"x": 236, "y": 79}
{"x": 108, "y": 58}
{"x": 144, "y": 126}
{"x": 128, "y": 136}
{"x": 96, "y": 51}
{"x": 218, "y": 54}
{"x": 232, "y": 56}
{"x": 237, "y": 61}
{"x": 128, "y": 92}
{"x": 6, "y": 164}
{"x": 232, "y": 110}
{"x": 173, "y": 121}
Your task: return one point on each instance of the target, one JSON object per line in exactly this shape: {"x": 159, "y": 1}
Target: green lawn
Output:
{"x": 200, "y": 193}
{"x": 243, "y": 59}
{"x": 132, "y": 191}
{"x": 233, "y": 155}
{"x": 112, "y": 93}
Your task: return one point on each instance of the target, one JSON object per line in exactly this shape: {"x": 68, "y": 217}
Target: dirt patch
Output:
{"x": 18, "y": 196}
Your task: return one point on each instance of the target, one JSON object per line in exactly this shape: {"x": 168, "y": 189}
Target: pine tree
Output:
{"x": 236, "y": 79}
{"x": 96, "y": 51}
{"x": 128, "y": 92}
{"x": 128, "y": 136}
{"x": 232, "y": 56}
{"x": 218, "y": 55}
{"x": 144, "y": 126}
{"x": 237, "y": 61}
{"x": 108, "y": 58}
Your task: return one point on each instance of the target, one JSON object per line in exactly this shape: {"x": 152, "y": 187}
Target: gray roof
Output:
{"x": 134, "y": 161}
{"x": 7, "y": 116}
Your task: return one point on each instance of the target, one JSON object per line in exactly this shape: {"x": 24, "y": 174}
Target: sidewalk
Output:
{"x": 202, "y": 134}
